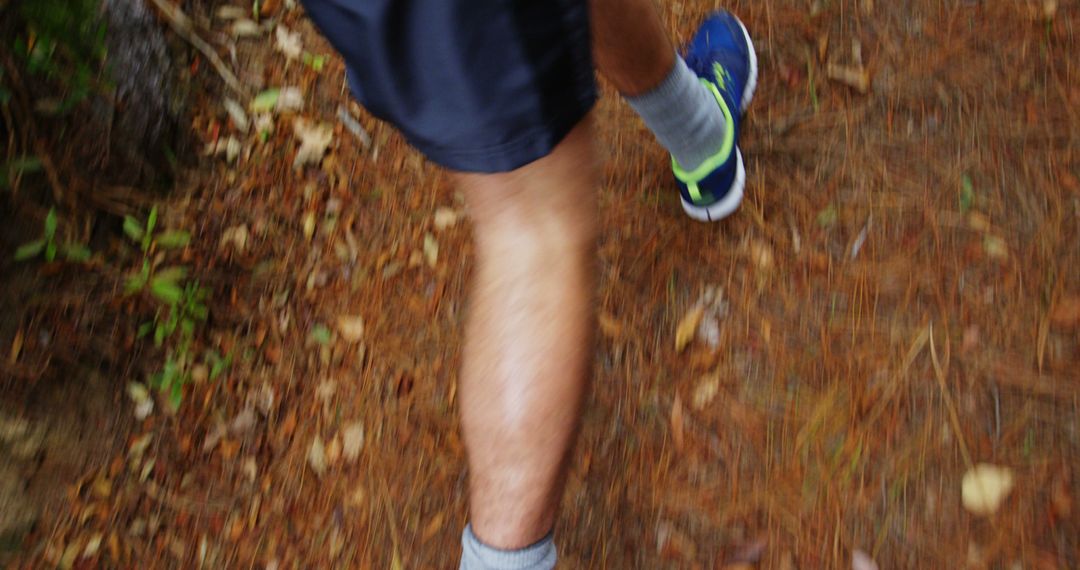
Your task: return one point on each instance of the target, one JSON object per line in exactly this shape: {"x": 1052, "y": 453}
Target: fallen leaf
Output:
{"x": 357, "y": 497}
{"x": 761, "y": 254}
{"x": 139, "y": 446}
{"x": 102, "y": 488}
{"x": 858, "y": 78}
{"x": 431, "y": 250}
{"x": 1066, "y": 312}
{"x": 352, "y": 441}
{"x": 978, "y": 221}
{"x": 320, "y": 334}
{"x": 828, "y": 216}
{"x": 236, "y": 236}
{"x": 709, "y": 330}
{"x": 677, "y": 423}
{"x": 245, "y": 28}
{"x": 288, "y": 43}
{"x": 1049, "y": 9}
{"x": 264, "y": 123}
{"x": 243, "y": 422}
{"x": 92, "y": 546}
{"x": 687, "y": 329}
{"x": 265, "y": 101}
{"x": 325, "y": 391}
{"x": 706, "y": 390}
{"x": 308, "y": 225}
{"x": 351, "y": 328}
{"x": 317, "y": 456}
{"x": 229, "y": 146}
{"x": 16, "y": 347}
{"x": 985, "y": 487}
{"x": 995, "y": 248}
{"x": 290, "y": 100}
{"x": 138, "y": 392}
{"x": 214, "y": 437}
{"x": 445, "y": 218}
{"x": 230, "y": 13}
{"x": 314, "y": 140}
{"x": 237, "y": 115}
{"x": 250, "y": 469}
{"x": 71, "y": 553}
{"x": 862, "y": 561}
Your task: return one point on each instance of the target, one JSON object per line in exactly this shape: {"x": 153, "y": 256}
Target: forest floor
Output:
{"x": 897, "y": 301}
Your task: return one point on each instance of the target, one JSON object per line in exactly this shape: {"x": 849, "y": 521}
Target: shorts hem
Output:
{"x": 505, "y": 157}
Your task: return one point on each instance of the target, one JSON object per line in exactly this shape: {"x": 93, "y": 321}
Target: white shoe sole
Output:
{"x": 730, "y": 203}
{"x": 725, "y": 207}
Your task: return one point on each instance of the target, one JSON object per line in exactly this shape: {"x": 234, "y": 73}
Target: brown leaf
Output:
{"x": 317, "y": 456}
{"x": 288, "y": 43}
{"x": 985, "y": 487}
{"x": 761, "y": 254}
{"x": 353, "y": 441}
{"x": 237, "y": 236}
{"x": 705, "y": 391}
{"x": 687, "y": 329}
{"x": 677, "y": 423}
{"x": 858, "y": 78}
{"x": 431, "y": 250}
{"x": 446, "y": 218}
{"x": 351, "y": 328}
{"x": 1066, "y": 312}
{"x": 314, "y": 140}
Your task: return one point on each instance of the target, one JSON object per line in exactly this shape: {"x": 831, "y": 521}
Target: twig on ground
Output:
{"x": 181, "y": 24}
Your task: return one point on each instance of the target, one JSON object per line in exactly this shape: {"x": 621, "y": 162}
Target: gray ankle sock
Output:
{"x": 684, "y": 116}
{"x": 476, "y": 555}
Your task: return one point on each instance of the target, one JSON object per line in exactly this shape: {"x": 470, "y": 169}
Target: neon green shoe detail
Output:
{"x": 692, "y": 177}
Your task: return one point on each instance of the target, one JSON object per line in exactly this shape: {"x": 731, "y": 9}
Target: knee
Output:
{"x": 549, "y": 204}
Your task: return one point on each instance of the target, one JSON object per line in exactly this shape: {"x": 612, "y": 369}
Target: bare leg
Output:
{"x": 529, "y": 337}
{"x": 630, "y": 46}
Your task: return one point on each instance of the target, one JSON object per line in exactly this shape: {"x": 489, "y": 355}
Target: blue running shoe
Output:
{"x": 723, "y": 56}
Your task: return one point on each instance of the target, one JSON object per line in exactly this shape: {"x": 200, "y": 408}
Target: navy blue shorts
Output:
{"x": 476, "y": 85}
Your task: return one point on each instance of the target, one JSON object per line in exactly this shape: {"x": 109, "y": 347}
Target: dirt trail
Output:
{"x": 888, "y": 300}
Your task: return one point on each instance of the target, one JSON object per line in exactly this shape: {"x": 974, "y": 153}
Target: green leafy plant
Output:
{"x": 47, "y": 247}
{"x": 315, "y": 62}
{"x": 181, "y": 304}
{"x": 142, "y": 233}
{"x": 165, "y": 283}
{"x": 63, "y": 41}
{"x": 967, "y": 193}
{"x": 217, "y": 364}
{"x": 177, "y": 320}
{"x": 182, "y": 312}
